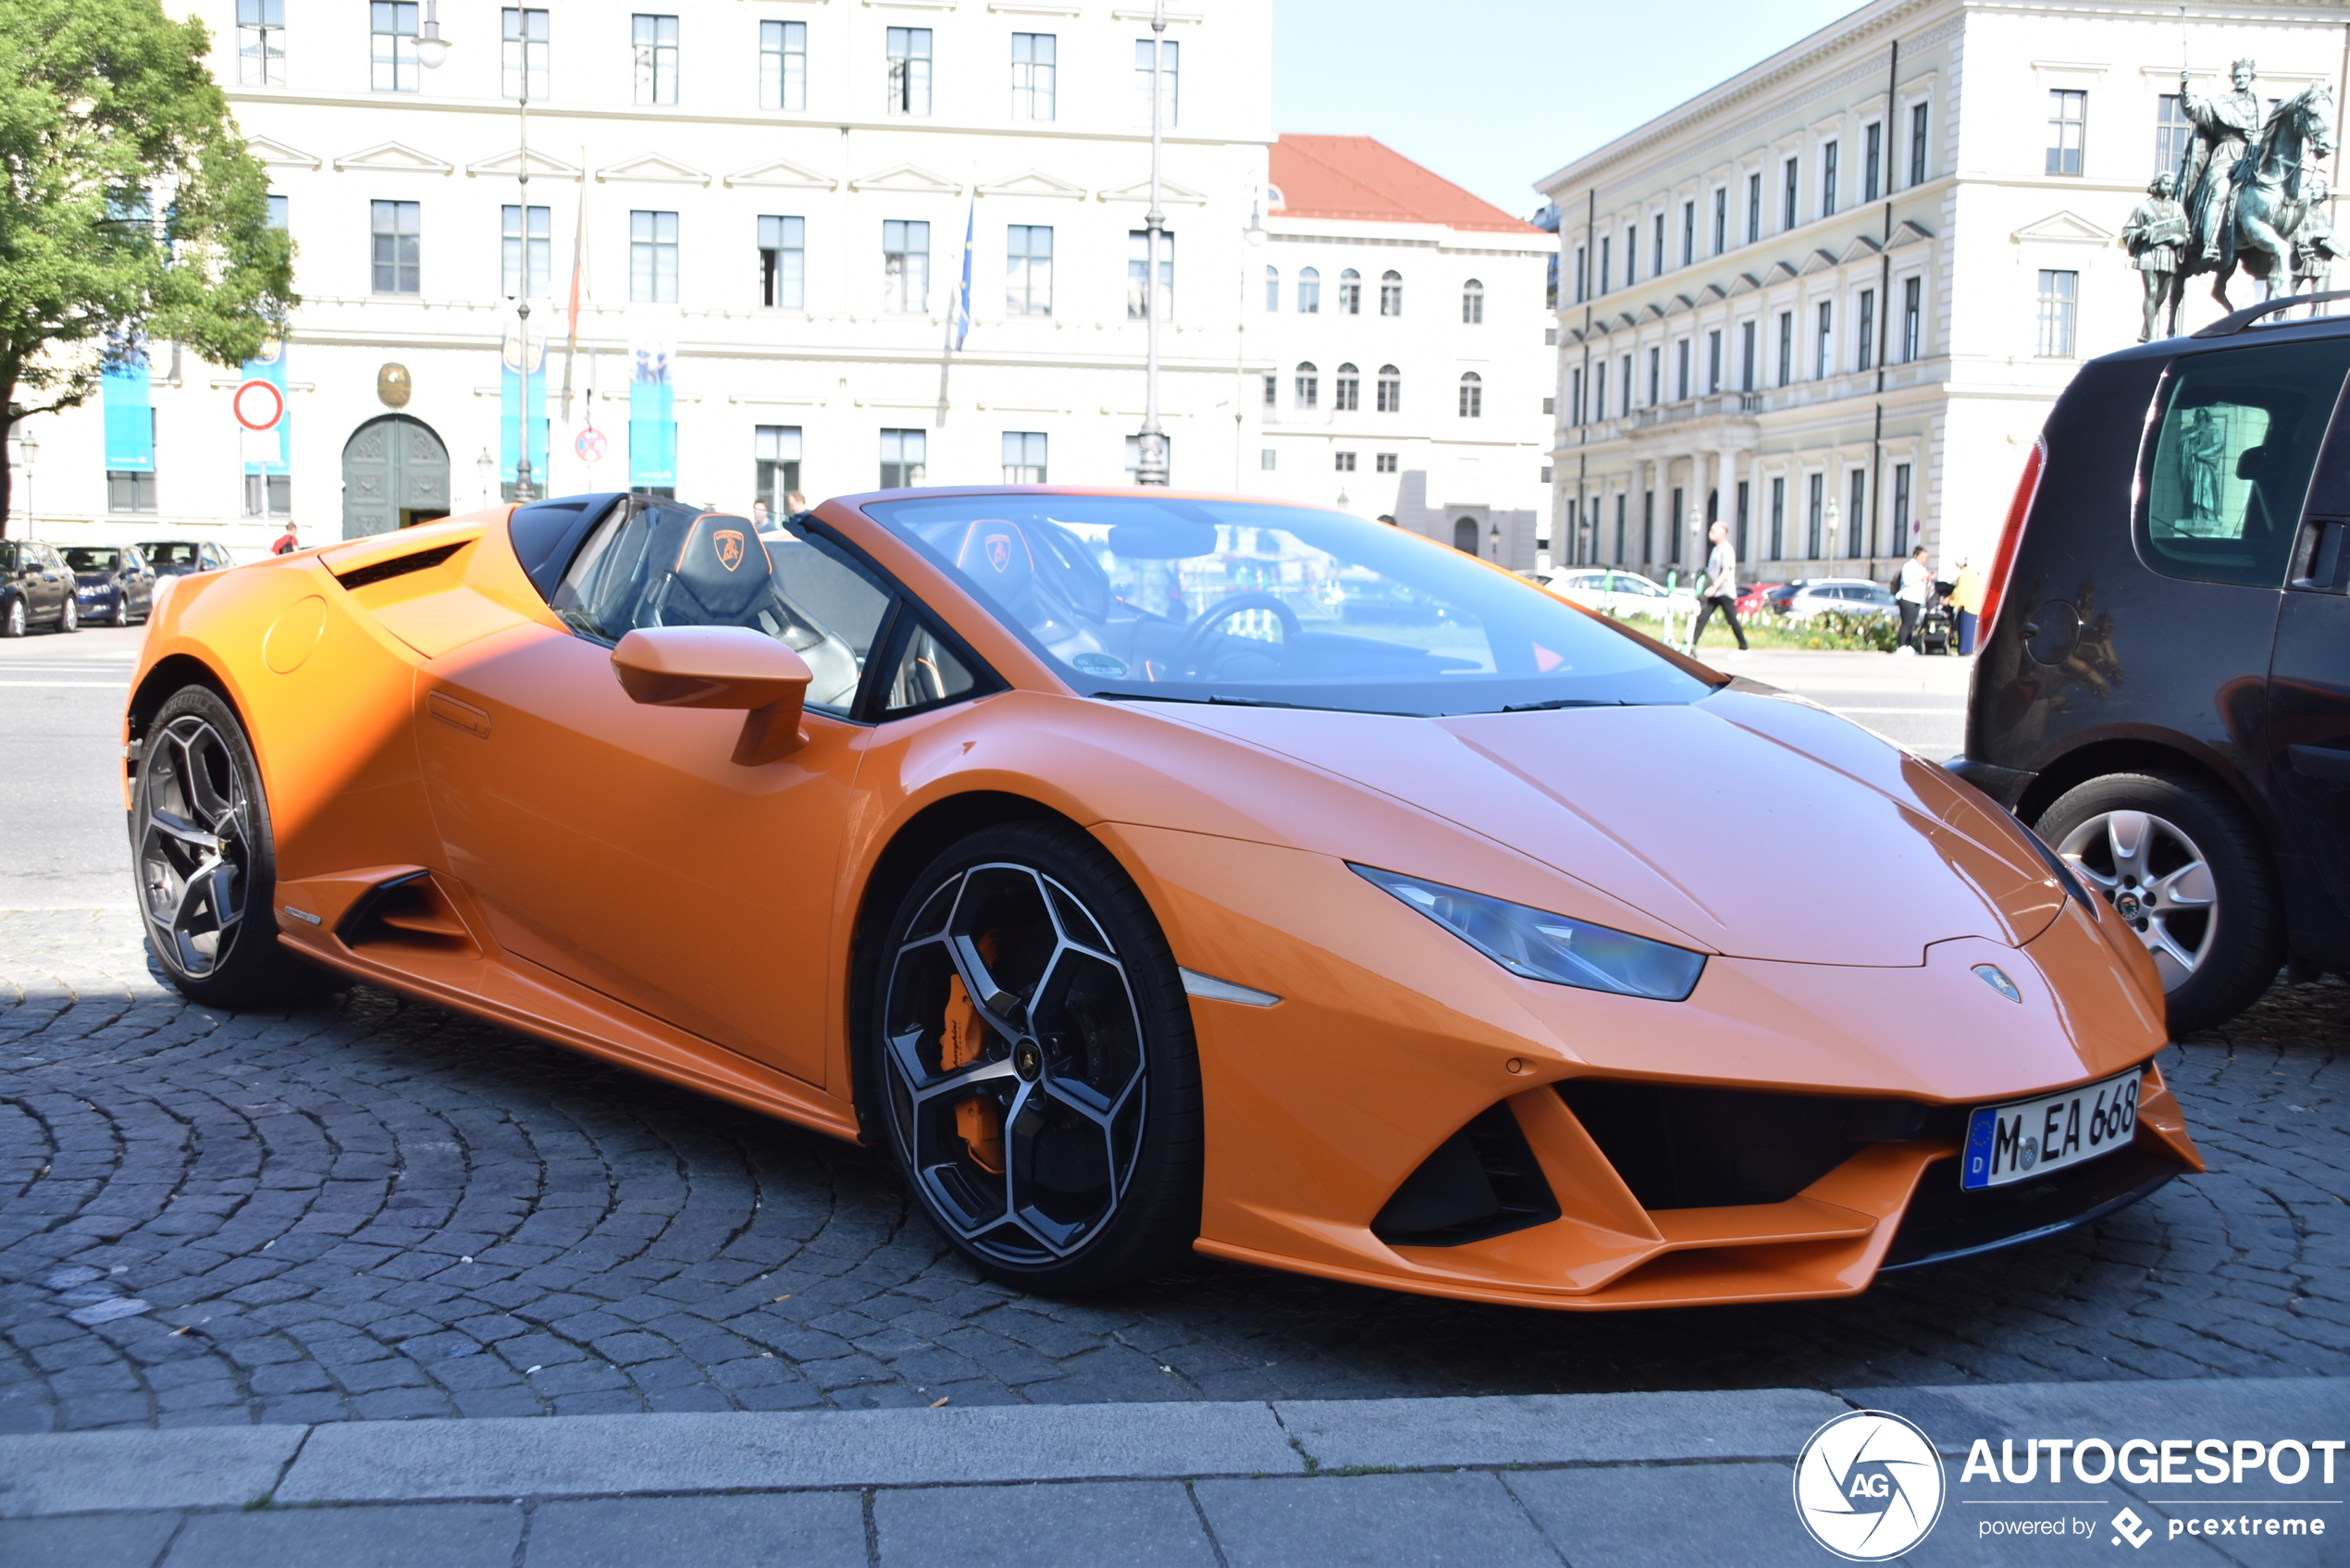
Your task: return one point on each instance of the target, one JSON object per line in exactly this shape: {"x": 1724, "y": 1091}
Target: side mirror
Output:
{"x": 729, "y": 667}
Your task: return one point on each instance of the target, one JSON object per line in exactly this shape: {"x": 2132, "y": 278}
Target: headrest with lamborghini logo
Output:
{"x": 723, "y": 567}
{"x": 994, "y": 555}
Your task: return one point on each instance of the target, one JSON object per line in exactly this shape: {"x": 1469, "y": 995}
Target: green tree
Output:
{"x": 130, "y": 207}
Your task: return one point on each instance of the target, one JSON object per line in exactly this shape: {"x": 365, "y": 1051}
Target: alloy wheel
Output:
{"x": 2156, "y": 879}
{"x": 1013, "y": 1050}
{"x": 14, "y": 626}
{"x": 195, "y": 838}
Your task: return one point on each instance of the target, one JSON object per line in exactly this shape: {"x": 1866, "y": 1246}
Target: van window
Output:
{"x": 2240, "y": 432}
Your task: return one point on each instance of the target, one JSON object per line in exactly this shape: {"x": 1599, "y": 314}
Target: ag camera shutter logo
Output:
{"x": 1869, "y": 1486}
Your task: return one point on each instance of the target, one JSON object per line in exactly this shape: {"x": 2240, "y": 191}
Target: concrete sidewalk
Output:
{"x": 1599, "y": 1479}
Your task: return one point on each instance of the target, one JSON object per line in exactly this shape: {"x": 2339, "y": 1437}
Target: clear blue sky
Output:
{"x": 1493, "y": 95}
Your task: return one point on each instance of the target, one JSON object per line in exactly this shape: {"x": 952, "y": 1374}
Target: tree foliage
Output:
{"x": 130, "y": 207}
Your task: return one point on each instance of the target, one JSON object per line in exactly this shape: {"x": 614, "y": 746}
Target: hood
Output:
{"x": 1759, "y": 825}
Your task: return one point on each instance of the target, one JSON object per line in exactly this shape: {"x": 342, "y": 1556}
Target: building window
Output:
{"x": 1778, "y": 518}
{"x": 394, "y": 229}
{"x": 1272, "y": 390}
{"x": 1871, "y": 160}
{"x": 1738, "y": 542}
{"x": 1786, "y": 347}
{"x": 1582, "y": 275}
{"x": 2060, "y": 292}
{"x": 278, "y": 211}
{"x": 1384, "y": 463}
{"x": 905, "y": 266}
{"x": 1023, "y": 457}
{"x": 267, "y": 495}
{"x": 1473, "y": 303}
{"x": 1721, "y": 219}
{"x": 1745, "y": 356}
{"x": 1656, "y": 376}
{"x": 2173, "y": 135}
{"x": 1134, "y": 453}
{"x": 1828, "y": 176}
{"x": 782, "y": 65}
{"x": 1656, "y": 249}
{"x": 902, "y": 456}
{"x": 1390, "y": 390}
{"x": 1855, "y": 509}
{"x": 652, "y": 257}
{"x": 1309, "y": 290}
{"x": 1620, "y": 500}
{"x": 1574, "y": 399}
{"x": 1913, "y": 317}
{"x": 1786, "y": 215}
{"x": 1755, "y": 208}
{"x": 1266, "y": 455}
{"x": 128, "y": 490}
{"x": 1900, "y": 506}
{"x": 393, "y": 46}
{"x": 2068, "y": 126}
{"x": 776, "y": 454}
{"x": 1820, "y": 361}
{"x": 1390, "y": 293}
{"x": 1347, "y": 391}
{"x": 1272, "y": 290}
{"x": 1624, "y": 397}
{"x": 907, "y": 51}
{"x": 1816, "y": 518}
{"x": 1034, "y": 70}
{"x": 1681, "y": 370}
{"x": 1140, "y": 285}
{"x": 1648, "y": 526}
{"x": 1350, "y": 292}
{"x": 1688, "y": 233}
{"x": 1472, "y": 395}
{"x": 1028, "y": 264}
{"x": 1309, "y": 392}
{"x": 1345, "y": 462}
{"x": 1867, "y": 355}
{"x": 1714, "y": 361}
{"x": 261, "y": 43}
{"x": 511, "y": 251}
{"x": 523, "y": 62}
{"x": 1607, "y": 272}
{"x": 782, "y": 263}
{"x": 1917, "y": 144}
{"x": 654, "y": 41}
{"x": 1170, "y": 100}
{"x": 1599, "y": 390}
{"x": 1673, "y": 528}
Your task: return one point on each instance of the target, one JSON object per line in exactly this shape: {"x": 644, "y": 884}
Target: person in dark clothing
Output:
{"x": 1721, "y": 588}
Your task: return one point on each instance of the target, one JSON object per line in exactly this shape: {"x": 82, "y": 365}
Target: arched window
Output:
{"x": 1310, "y": 387}
{"x": 1272, "y": 290}
{"x": 1463, "y": 535}
{"x": 1473, "y": 303}
{"x": 1390, "y": 293}
{"x": 1390, "y": 390}
{"x": 1350, "y": 295}
{"x": 1472, "y": 395}
{"x": 1309, "y": 291}
{"x": 1346, "y": 396}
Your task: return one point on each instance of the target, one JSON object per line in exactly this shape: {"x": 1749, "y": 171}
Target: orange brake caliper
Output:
{"x": 977, "y": 1121}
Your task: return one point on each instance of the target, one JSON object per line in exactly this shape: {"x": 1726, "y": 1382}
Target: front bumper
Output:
{"x": 2005, "y": 785}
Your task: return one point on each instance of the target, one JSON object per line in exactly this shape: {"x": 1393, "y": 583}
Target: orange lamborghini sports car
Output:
{"x": 1154, "y": 871}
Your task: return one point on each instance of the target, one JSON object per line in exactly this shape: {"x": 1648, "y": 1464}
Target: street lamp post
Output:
{"x": 1150, "y": 460}
{"x": 27, "y": 448}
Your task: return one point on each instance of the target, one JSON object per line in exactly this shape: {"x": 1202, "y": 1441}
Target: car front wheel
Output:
{"x": 12, "y": 619}
{"x": 1032, "y": 1055}
{"x": 2187, "y": 872}
{"x": 70, "y": 615}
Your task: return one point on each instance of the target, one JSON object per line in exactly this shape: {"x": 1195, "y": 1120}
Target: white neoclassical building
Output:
{"x": 1405, "y": 321}
{"x": 763, "y": 208}
{"x": 1831, "y": 299}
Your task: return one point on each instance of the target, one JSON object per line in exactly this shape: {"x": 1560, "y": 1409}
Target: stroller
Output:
{"x": 1938, "y": 626}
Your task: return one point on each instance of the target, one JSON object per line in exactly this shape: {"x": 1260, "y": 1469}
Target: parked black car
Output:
{"x": 172, "y": 558}
{"x": 2164, "y": 688}
{"x": 36, "y": 588}
{"x": 114, "y": 583}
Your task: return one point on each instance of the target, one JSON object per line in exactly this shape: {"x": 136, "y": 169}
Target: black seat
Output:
{"x": 724, "y": 575}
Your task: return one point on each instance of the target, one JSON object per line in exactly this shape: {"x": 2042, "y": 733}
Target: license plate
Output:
{"x": 2027, "y": 1137}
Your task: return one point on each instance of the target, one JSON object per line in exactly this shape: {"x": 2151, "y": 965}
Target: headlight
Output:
{"x": 1542, "y": 945}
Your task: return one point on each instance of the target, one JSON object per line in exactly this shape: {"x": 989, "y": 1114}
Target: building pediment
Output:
{"x": 1653, "y": 313}
{"x": 2065, "y": 228}
{"x": 652, "y": 169}
{"x": 1745, "y": 283}
{"x": 783, "y": 172}
{"x": 910, "y": 179}
{"x": 1909, "y": 234}
{"x": 1169, "y": 191}
{"x": 1712, "y": 291}
{"x": 1860, "y": 249}
{"x": 394, "y": 157}
{"x": 1820, "y": 261}
{"x": 509, "y": 164}
{"x": 1780, "y": 272}
{"x": 1627, "y": 319}
{"x": 277, "y": 155}
{"x": 1034, "y": 182}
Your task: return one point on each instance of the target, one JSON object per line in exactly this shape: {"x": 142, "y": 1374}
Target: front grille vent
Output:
{"x": 398, "y": 566}
{"x": 1482, "y": 1181}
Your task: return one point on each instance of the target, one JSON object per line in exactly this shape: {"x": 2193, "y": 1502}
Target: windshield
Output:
{"x": 93, "y": 557}
{"x": 170, "y": 559}
{"x": 1239, "y": 601}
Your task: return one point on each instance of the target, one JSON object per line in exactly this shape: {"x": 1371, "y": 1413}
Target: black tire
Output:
{"x": 204, "y": 863}
{"x": 1082, "y": 1055}
{"x": 2227, "y": 922}
{"x": 12, "y": 617}
{"x": 69, "y": 614}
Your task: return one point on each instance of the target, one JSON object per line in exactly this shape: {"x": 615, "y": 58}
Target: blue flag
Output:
{"x": 963, "y": 296}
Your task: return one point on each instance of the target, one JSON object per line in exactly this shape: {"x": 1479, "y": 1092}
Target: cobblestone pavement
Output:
{"x": 372, "y": 1209}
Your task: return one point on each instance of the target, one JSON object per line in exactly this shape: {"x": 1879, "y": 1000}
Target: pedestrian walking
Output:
{"x": 1720, "y": 590}
{"x": 1917, "y": 583}
{"x": 287, "y": 544}
{"x": 1966, "y": 593}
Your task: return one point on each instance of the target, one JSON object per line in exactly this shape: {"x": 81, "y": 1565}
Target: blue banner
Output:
{"x": 270, "y": 368}
{"x": 130, "y": 419}
{"x": 652, "y": 422}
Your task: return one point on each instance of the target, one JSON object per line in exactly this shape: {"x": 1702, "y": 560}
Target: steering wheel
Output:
{"x": 1196, "y": 635}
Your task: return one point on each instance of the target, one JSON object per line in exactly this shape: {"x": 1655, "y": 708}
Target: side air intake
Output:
{"x": 411, "y": 912}
{"x": 1482, "y": 1181}
{"x": 398, "y": 566}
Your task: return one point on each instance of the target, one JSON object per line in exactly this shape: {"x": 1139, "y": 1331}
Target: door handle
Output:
{"x": 2325, "y": 762}
{"x": 461, "y": 715}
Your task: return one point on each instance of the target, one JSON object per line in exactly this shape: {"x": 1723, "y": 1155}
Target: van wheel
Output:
{"x": 2186, "y": 870}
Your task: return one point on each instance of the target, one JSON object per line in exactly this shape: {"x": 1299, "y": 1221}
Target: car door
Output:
{"x": 617, "y": 844}
{"x": 56, "y": 585}
{"x": 2307, "y": 750}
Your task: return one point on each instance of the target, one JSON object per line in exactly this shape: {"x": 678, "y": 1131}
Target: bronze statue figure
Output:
{"x": 2155, "y": 234}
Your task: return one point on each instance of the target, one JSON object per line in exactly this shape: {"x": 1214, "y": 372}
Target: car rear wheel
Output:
{"x": 1033, "y": 1059}
{"x": 2187, "y": 872}
{"x": 204, "y": 861}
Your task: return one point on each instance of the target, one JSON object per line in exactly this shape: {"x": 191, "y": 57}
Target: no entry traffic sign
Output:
{"x": 589, "y": 444}
{"x": 258, "y": 405}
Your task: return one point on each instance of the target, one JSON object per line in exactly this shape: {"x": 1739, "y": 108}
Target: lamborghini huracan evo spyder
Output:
{"x": 1155, "y": 872}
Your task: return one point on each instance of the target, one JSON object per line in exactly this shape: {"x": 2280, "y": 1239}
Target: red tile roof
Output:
{"x": 1356, "y": 177}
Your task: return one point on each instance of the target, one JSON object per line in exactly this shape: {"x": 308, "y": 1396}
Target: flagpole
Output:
{"x": 959, "y": 307}
{"x": 578, "y": 253}
{"x": 1150, "y": 457}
